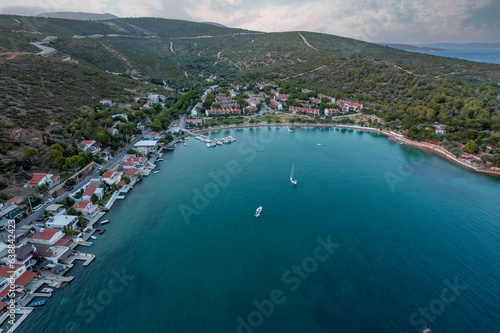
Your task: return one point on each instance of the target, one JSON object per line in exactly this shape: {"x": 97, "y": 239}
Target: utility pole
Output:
{"x": 29, "y": 200}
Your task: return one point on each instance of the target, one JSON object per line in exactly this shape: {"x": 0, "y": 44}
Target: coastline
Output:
{"x": 403, "y": 140}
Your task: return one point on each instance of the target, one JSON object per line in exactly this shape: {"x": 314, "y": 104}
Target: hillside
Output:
{"x": 79, "y": 16}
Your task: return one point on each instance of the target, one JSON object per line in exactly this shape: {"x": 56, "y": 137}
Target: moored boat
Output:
{"x": 104, "y": 222}
{"x": 47, "y": 290}
{"x": 38, "y": 303}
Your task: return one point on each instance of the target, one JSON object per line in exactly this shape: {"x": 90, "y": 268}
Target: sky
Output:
{"x": 391, "y": 21}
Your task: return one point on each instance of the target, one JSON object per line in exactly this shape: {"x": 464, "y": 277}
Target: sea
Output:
{"x": 486, "y": 55}
{"x": 375, "y": 237}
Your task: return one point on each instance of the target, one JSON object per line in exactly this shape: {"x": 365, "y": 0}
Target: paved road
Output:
{"x": 33, "y": 217}
{"x": 45, "y": 49}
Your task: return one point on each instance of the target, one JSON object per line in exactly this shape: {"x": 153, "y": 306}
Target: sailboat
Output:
{"x": 292, "y": 180}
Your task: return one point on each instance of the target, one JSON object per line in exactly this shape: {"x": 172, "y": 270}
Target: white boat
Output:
{"x": 104, "y": 222}
{"x": 156, "y": 171}
{"x": 293, "y": 180}
{"x": 47, "y": 290}
{"x": 289, "y": 130}
{"x": 258, "y": 211}
{"x": 318, "y": 144}
{"x": 209, "y": 145}
{"x": 184, "y": 144}
{"x": 93, "y": 237}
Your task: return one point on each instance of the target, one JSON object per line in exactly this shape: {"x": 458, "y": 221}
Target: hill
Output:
{"x": 79, "y": 16}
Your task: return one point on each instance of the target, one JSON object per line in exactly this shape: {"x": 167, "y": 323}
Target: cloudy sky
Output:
{"x": 396, "y": 21}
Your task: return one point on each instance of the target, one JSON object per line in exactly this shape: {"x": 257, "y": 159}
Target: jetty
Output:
{"x": 86, "y": 257}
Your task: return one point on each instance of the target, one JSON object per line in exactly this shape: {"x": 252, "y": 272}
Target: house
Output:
{"x": 296, "y": 109}
{"x": 23, "y": 255}
{"x": 16, "y": 275}
{"x": 106, "y": 102}
{"x": 228, "y": 111}
{"x": 39, "y": 179}
{"x": 332, "y": 112}
{"x": 53, "y": 253}
{"x": 61, "y": 221}
{"x": 275, "y": 104}
{"x": 351, "y": 105}
{"x": 130, "y": 172}
{"x": 88, "y": 145}
{"x": 45, "y": 236}
{"x": 281, "y": 97}
{"x": 87, "y": 208}
{"x": 112, "y": 131}
{"x": 121, "y": 183}
{"x": 147, "y": 146}
{"x": 54, "y": 208}
{"x": 13, "y": 201}
{"x": 91, "y": 190}
{"x": 152, "y": 136}
{"x": 111, "y": 177}
{"x": 440, "y": 128}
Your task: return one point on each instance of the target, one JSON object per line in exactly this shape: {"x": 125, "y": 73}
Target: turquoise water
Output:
{"x": 491, "y": 56}
{"x": 402, "y": 226}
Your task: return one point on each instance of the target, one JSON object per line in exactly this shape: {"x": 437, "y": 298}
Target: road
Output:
{"x": 111, "y": 164}
{"x": 45, "y": 49}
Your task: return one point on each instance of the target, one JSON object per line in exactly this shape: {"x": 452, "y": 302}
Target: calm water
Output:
{"x": 491, "y": 56}
{"x": 405, "y": 225}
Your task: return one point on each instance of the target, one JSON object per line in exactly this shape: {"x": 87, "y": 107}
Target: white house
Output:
{"x": 111, "y": 177}
{"x": 45, "y": 236}
{"x": 91, "y": 190}
{"x": 147, "y": 146}
{"x": 61, "y": 221}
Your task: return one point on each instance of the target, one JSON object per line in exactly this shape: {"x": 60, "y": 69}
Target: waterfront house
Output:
{"x": 45, "y": 236}
{"x": 92, "y": 189}
{"x": 53, "y": 253}
{"x": 130, "y": 172}
{"x": 23, "y": 255}
{"x": 15, "y": 272}
{"x": 111, "y": 177}
{"x": 61, "y": 221}
{"x": 87, "y": 208}
{"x": 148, "y": 146}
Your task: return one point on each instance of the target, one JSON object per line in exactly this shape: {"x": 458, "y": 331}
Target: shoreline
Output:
{"x": 420, "y": 145}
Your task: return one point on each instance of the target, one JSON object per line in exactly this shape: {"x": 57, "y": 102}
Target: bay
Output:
{"x": 405, "y": 226}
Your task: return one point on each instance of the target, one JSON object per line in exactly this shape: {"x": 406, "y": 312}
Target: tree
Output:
{"x": 70, "y": 182}
{"x": 82, "y": 222}
{"x": 471, "y": 147}
{"x": 94, "y": 199}
{"x": 68, "y": 202}
{"x": 42, "y": 188}
{"x": 29, "y": 153}
{"x": 69, "y": 231}
{"x": 496, "y": 160}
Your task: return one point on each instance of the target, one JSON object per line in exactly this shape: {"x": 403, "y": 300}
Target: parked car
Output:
{"x": 70, "y": 188}
{"x": 50, "y": 199}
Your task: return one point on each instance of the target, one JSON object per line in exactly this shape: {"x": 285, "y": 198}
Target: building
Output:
{"x": 148, "y": 146}
{"x": 112, "y": 131}
{"x": 332, "y": 112}
{"x": 130, "y": 172}
{"x": 310, "y": 111}
{"x": 87, "y": 208}
{"x": 440, "y": 128}
{"x": 222, "y": 112}
{"x": 111, "y": 177}
{"x": 152, "y": 136}
{"x": 92, "y": 189}
{"x": 88, "y": 145}
{"x": 53, "y": 253}
{"x": 45, "y": 236}
{"x": 43, "y": 178}
{"x": 275, "y": 104}
{"x": 61, "y": 221}
{"x": 106, "y": 102}
{"x": 16, "y": 273}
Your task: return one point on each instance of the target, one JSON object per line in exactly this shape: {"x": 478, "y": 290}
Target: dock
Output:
{"x": 87, "y": 257}
{"x": 24, "y": 312}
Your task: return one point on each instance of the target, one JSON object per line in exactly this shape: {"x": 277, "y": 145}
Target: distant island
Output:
{"x": 407, "y": 47}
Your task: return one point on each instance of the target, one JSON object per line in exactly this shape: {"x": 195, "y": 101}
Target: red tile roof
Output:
{"x": 12, "y": 200}
{"x": 90, "y": 190}
{"x": 36, "y": 179}
{"x": 25, "y": 278}
{"x": 63, "y": 241}
{"x": 121, "y": 183}
{"x": 82, "y": 204}
{"x": 134, "y": 159}
{"x": 47, "y": 233}
{"x": 3, "y": 304}
{"x": 6, "y": 271}
{"x": 108, "y": 174}
{"x": 86, "y": 142}
{"x": 130, "y": 171}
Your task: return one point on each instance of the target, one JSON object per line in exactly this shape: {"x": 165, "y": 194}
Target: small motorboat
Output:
{"x": 47, "y": 290}
{"x": 318, "y": 144}
{"x": 93, "y": 237}
{"x": 157, "y": 170}
{"x": 101, "y": 230}
{"x": 38, "y": 303}
{"x": 104, "y": 222}
{"x": 258, "y": 211}
{"x": 160, "y": 160}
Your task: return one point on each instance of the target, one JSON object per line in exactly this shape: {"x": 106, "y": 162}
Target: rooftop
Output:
{"x": 44, "y": 234}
